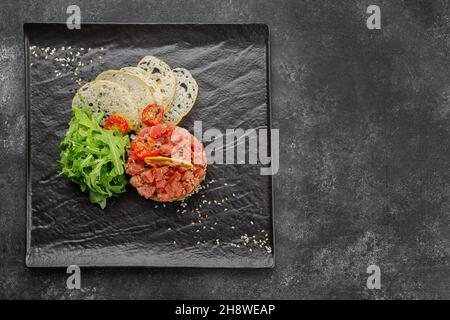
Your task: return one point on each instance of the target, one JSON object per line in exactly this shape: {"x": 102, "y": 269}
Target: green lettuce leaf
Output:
{"x": 93, "y": 157}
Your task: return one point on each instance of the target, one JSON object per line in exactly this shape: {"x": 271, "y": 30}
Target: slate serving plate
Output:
{"x": 227, "y": 225}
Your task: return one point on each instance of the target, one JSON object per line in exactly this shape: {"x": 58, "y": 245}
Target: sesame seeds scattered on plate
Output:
{"x": 67, "y": 61}
{"x": 205, "y": 229}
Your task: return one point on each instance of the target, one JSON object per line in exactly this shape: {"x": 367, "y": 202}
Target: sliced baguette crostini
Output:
{"x": 135, "y": 86}
{"x": 164, "y": 76}
{"x": 107, "y": 97}
{"x": 185, "y": 96}
{"x": 149, "y": 80}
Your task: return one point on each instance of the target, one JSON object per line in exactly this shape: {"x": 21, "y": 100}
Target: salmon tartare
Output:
{"x": 166, "y": 163}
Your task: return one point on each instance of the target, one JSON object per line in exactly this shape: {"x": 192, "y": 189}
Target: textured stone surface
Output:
{"x": 364, "y": 118}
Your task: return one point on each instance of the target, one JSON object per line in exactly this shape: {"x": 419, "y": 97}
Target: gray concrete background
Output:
{"x": 365, "y": 130}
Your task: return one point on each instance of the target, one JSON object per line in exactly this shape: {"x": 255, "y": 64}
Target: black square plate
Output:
{"x": 227, "y": 225}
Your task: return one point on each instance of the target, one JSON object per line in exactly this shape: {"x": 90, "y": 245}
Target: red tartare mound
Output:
{"x": 166, "y": 181}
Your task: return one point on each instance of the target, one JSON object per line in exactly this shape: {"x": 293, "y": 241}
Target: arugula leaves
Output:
{"x": 93, "y": 157}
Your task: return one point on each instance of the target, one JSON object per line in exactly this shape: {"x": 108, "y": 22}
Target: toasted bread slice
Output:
{"x": 164, "y": 77}
{"x": 150, "y": 80}
{"x": 107, "y": 97}
{"x": 185, "y": 96}
{"x": 137, "y": 88}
